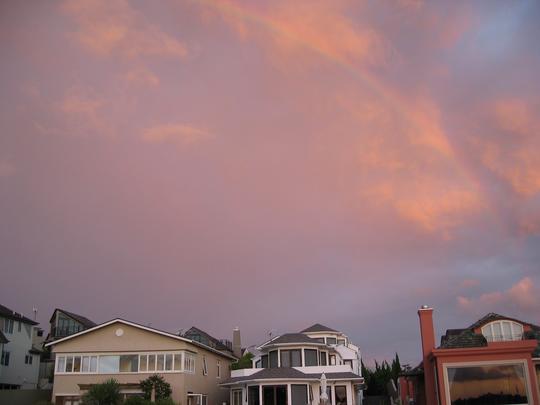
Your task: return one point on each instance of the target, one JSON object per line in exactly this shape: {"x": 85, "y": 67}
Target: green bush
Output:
{"x": 106, "y": 393}
{"x": 163, "y": 388}
{"x": 165, "y": 401}
{"x": 243, "y": 362}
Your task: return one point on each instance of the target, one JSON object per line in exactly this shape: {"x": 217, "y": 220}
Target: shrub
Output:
{"x": 165, "y": 401}
{"x": 136, "y": 401}
{"x": 106, "y": 393}
{"x": 243, "y": 362}
{"x": 163, "y": 388}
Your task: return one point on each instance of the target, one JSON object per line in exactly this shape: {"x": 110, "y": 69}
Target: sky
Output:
{"x": 272, "y": 164}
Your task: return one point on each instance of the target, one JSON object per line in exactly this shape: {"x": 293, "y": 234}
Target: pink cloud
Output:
{"x": 522, "y": 296}
{"x": 114, "y": 27}
{"x": 183, "y": 133}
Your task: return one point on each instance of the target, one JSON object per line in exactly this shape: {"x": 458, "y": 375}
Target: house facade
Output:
{"x": 129, "y": 353}
{"x": 496, "y": 360}
{"x": 19, "y": 362}
{"x": 291, "y": 369}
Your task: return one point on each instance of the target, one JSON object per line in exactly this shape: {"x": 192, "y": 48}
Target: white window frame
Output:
{"x": 523, "y": 363}
{"x": 514, "y": 335}
{"x": 61, "y": 360}
{"x": 204, "y": 366}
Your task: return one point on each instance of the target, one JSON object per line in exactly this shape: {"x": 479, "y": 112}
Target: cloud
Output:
{"x": 114, "y": 27}
{"x": 510, "y": 152}
{"x": 522, "y": 296}
{"x": 294, "y": 31}
{"x": 469, "y": 283}
{"x": 181, "y": 133}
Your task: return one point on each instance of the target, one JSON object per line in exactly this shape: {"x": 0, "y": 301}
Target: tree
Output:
{"x": 243, "y": 362}
{"x": 163, "y": 388}
{"x": 106, "y": 393}
{"x": 377, "y": 379}
{"x": 396, "y": 369}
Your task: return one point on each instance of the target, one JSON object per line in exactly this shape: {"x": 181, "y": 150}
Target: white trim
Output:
{"x": 146, "y": 328}
{"x": 523, "y": 363}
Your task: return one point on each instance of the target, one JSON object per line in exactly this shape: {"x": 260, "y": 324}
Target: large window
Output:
{"x": 310, "y": 357}
{"x": 299, "y": 394}
{"x": 500, "y": 331}
{"x": 197, "y": 399}
{"x": 236, "y": 397}
{"x": 291, "y": 358}
{"x": 341, "y": 394}
{"x": 487, "y": 384}
{"x": 125, "y": 363}
{"x": 274, "y": 395}
{"x": 264, "y": 361}
{"x": 253, "y": 395}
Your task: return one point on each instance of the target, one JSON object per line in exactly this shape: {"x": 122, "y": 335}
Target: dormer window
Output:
{"x": 502, "y": 331}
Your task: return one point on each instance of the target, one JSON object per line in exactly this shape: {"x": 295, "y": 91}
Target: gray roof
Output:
{"x": 3, "y": 339}
{"x": 5, "y": 312}
{"x": 318, "y": 328}
{"x": 292, "y": 338}
{"x": 289, "y": 373}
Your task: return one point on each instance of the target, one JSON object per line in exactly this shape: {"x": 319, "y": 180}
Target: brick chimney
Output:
{"x": 236, "y": 343}
{"x": 427, "y": 332}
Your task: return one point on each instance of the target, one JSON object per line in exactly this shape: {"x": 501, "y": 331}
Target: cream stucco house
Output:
{"x": 130, "y": 352}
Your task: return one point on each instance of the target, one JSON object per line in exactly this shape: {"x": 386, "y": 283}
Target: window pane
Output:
{"x": 323, "y": 358}
{"x": 285, "y": 358}
{"x": 332, "y": 360}
{"x": 160, "y": 362}
{"x": 69, "y": 364}
{"x": 341, "y": 341}
{"x": 331, "y": 341}
{"x": 109, "y": 364}
{"x": 299, "y": 394}
{"x": 151, "y": 362}
{"x": 490, "y": 384}
{"x": 178, "y": 362}
{"x": 77, "y": 364}
{"x": 143, "y": 362}
{"x": 60, "y": 364}
{"x": 273, "y": 359}
{"x": 341, "y": 395}
{"x": 85, "y": 364}
{"x": 320, "y": 340}
{"x": 168, "y": 362}
{"x": 497, "y": 332}
{"x": 129, "y": 363}
{"x": 296, "y": 358}
{"x": 507, "y": 331}
{"x": 93, "y": 364}
{"x": 237, "y": 397}
{"x": 204, "y": 399}
{"x": 264, "y": 361}
{"x": 310, "y": 357}
{"x": 253, "y": 395}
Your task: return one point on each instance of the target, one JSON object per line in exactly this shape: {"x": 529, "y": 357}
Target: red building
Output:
{"x": 496, "y": 360}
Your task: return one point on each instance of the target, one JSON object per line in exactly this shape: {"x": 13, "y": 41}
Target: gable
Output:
{"x": 109, "y": 339}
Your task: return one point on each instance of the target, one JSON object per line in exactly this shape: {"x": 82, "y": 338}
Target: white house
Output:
{"x": 292, "y": 369}
{"x": 19, "y": 363}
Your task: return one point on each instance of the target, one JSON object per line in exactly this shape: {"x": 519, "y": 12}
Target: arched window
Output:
{"x": 501, "y": 331}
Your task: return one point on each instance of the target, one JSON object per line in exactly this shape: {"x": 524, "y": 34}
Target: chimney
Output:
{"x": 425, "y": 313}
{"x": 236, "y": 343}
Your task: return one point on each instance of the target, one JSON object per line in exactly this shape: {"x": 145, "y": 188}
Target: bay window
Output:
{"x": 310, "y": 357}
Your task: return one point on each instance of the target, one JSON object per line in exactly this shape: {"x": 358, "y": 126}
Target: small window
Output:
{"x": 237, "y": 397}
{"x": 168, "y": 362}
{"x": 5, "y": 358}
{"x": 348, "y": 362}
{"x": 204, "y": 366}
{"x": 218, "y": 371}
{"x": 77, "y": 364}
{"x": 19, "y": 326}
{"x": 8, "y": 325}
{"x": 143, "y": 362}
{"x": 331, "y": 341}
{"x": 160, "y": 362}
{"x": 332, "y": 359}
{"x": 69, "y": 364}
{"x": 264, "y": 361}
{"x": 502, "y": 331}
{"x": 60, "y": 364}
{"x": 319, "y": 340}
{"x": 258, "y": 364}
{"x": 28, "y": 359}
{"x": 323, "y": 358}
{"x": 177, "y": 362}
{"x": 341, "y": 341}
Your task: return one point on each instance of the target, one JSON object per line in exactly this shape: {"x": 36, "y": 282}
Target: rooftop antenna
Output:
{"x": 34, "y": 310}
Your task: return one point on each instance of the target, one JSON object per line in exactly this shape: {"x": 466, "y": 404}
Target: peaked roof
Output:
{"x": 87, "y": 323}
{"x": 289, "y": 338}
{"x": 318, "y": 328}
{"x": 492, "y": 316}
{"x": 5, "y": 312}
{"x": 139, "y": 326}
{"x": 196, "y": 331}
